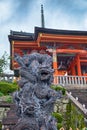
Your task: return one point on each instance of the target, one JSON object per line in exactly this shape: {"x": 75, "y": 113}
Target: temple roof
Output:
{"x": 60, "y": 32}
{"x": 15, "y": 35}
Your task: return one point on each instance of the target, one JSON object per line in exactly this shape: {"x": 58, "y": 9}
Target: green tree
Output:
{"x": 74, "y": 118}
{"x": 3, "y": 62}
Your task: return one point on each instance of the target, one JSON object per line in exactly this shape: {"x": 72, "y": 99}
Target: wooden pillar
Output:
{"x": 78, "y": 66}
{"x": 73, "y": 69}
{"x": 55, "y": 64}
{"x": 12, "y": 56}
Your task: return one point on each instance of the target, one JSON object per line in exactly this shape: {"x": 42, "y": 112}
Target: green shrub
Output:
{"x": 1, "y": 94}
{"x": 59, "y": 119}
{"x": 7, "y": 88}
{"x": 58, "y": 116}
{"x": 58, "y": 88}
{"x": 59, "y": 125}
{"x": 0, "y": 126}
{"x": 9, "y": 99}
{"x": 14, "y": 83}
{"x": 74, "y": 118}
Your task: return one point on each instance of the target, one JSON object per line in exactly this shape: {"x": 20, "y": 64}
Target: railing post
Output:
{"x": 66, "y": 80}
{"x": 60, "y": 81}
{"x": 85, "y": 80}
{"x": 79, "y": 80}
{"x": 73, "y": 80}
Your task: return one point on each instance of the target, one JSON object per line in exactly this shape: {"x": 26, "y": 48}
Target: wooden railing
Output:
{"x": 70, "y": 80}
{"x": 6, "y": 77}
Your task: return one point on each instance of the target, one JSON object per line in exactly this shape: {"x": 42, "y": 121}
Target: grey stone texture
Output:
{"x": 35, "y": 100}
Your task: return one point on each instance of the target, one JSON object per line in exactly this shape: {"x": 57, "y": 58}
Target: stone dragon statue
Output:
{"x": 35, "y": 99}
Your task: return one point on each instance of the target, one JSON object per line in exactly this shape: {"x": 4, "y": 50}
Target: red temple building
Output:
{"x": 68, "y": 48}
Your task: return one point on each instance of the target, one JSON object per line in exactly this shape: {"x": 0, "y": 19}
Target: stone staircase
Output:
{"x": 11, "y": 118}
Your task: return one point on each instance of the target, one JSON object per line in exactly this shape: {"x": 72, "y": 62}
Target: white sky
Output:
{"x": 24, "y": 15}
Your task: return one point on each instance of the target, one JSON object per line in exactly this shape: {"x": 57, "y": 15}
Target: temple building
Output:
{"x": 68, "y": 48}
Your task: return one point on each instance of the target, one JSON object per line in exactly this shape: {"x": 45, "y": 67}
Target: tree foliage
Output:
{"x": 3, "y": 62}
{"x": 74, "y": 118}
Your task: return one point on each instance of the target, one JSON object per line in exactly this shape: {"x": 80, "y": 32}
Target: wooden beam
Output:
{"x": 25, "y": 42}
{"x": 58, "y": 41}
{"x": 68, "y": 51}
{"x": 83, "y": 55}
{"x": 69, "y": 37}
{"x": 63, "y": 36}
{"x": 83, "y": 60}
{"x": 23, "y": 46}
{"x": 17, "y": 49}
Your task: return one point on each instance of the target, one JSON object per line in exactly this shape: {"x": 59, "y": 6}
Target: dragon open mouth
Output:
{"x": 44, "y": 74}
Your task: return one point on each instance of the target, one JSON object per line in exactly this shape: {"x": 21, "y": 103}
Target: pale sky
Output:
{"x": 24, "y": 15}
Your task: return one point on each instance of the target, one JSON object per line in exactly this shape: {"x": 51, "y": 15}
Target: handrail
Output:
{"x": 6, "y": 77}
{"x": 70, "y": 80}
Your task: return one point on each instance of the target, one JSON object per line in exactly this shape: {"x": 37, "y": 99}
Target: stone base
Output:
{"x": 26, "y": 124}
